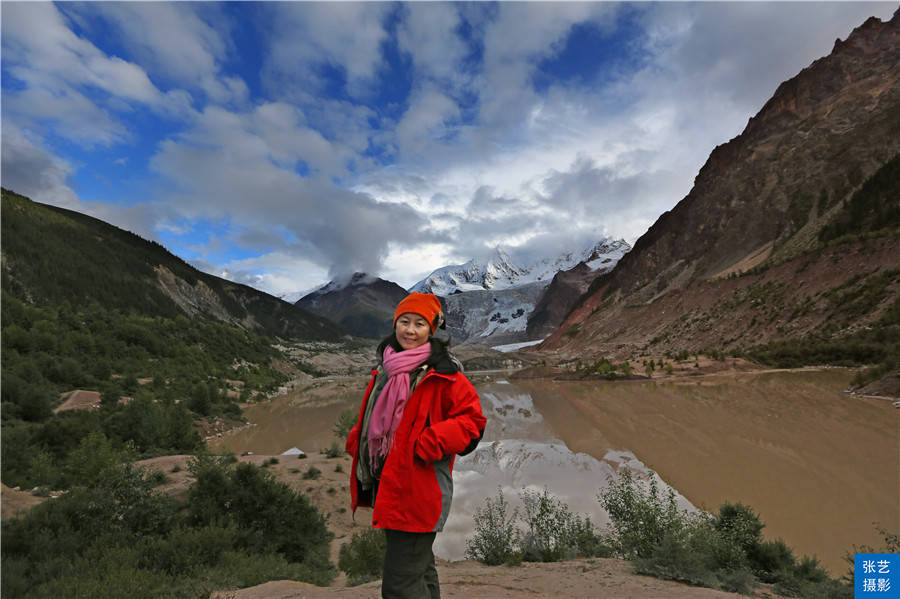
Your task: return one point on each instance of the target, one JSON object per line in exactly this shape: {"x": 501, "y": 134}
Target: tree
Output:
{"x": 345, "y": 422}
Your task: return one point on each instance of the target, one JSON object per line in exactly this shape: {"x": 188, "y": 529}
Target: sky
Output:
{"x": 285, "y": 144}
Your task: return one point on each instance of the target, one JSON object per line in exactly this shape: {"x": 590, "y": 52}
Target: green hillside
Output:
{"x": 52, "y": 255}
{"x": 171, "y": 352}
{"x": 83, "y": 308}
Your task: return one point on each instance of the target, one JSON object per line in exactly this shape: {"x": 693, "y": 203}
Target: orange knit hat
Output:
{"x": 426, "y": 305}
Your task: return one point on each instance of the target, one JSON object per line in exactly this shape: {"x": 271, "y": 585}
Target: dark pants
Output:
{"x": 409, "y": 571}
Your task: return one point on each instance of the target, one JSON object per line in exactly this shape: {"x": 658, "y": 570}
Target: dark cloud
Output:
{"x": 32, "y": 171}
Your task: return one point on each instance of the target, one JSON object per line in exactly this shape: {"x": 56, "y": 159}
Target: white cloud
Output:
{"x": 224, "y": 167}
{"x": 175, "y": 43}
{"x": 278, "y": 273}
{"x": 42, "y": 50}
{"x": 67, "y": 83}
{"x": 307, "y": 36}
{"x": 520, "y": 36}
{"x": 428, "y": 34}
{"x": 431, "y": 117}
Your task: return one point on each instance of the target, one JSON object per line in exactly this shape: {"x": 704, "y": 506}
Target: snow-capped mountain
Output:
{"x": 362, "y": 305}
{"x": 501, "y": 272}
{"x": 492, "y": 302}
{"x": 497, "y": 273}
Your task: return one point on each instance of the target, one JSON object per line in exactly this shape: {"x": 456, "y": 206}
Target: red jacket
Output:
{"x": 442, "y": 418}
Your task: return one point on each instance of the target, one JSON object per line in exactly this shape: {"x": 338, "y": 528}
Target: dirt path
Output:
{"x": 576, "y": 579}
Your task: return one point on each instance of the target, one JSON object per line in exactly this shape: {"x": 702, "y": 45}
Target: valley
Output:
{"x": 744, "y": 349}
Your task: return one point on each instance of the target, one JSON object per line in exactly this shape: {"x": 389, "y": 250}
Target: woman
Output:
{"x": 419, "y": 411}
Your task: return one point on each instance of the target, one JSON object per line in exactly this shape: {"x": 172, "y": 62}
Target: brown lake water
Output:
{"x": 818, "y": 466}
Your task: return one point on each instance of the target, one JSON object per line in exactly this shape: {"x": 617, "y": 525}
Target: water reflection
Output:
{"x": 817, "y": 465}
{"x": 521, "y": 451}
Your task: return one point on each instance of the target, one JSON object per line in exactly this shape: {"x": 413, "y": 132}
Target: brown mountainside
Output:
{"x": 758, "y": 206}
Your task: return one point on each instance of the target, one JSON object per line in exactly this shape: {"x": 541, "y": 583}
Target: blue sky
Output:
{"x": 285, "y": 144}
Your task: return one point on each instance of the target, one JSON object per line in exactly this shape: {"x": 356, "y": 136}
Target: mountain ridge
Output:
{"x": 363, "y": 305}
{"x": 761, "y": 200}
{"x": 500, "y": 271}
{"x": 52, "y": 254}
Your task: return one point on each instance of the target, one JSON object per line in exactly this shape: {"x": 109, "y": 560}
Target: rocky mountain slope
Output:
{"x": 746, "y": 257}
{"x": 52, "y": 255}
{"x": 363, "y": 305}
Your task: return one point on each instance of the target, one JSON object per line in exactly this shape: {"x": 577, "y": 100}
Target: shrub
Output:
{"x": 697, "y": 553}
{"x": 740, "y": 524}
{"x": 312, "y": 473}
{"x": 333, "y": 451}
{"x": 345, "y": 422}
{"x": 362, "y": 558}
{"x": 640, "y": 519}
{"x": 496, "y": 539}
{"x": 267, "y": 514}
{"x": 158, "y": 477}
{"x": 551, "y": 531}
{"x": 807, "y": 579}
{"x": 770, "y": 559}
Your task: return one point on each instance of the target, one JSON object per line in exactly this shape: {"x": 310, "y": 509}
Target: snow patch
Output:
{"x": 516, "y": 346}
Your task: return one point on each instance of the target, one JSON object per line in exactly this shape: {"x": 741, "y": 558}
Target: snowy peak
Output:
{"x": 605, "y": 254}
{"x": 502, "y": 272}
{"x": 497, "y": 273}
{"x": 338, "y": 284}
{"x": 361, "y": 304}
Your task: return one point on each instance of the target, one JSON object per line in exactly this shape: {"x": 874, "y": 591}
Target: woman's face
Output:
{"x": 412, "y": 330}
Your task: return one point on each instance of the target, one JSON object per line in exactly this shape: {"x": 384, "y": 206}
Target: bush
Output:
{"x": 333, "y": 451}
{"x": 640, "y": 519}
{"x": 723, "y": 552}
{"x": 699, "y": 554}
{"x": 346, "y": 421}
{"x": 740, "y": 525}
{"x": 770, "y": 559}
{"x": 807, "y": 579}
{"x": 551, "y": 532}
{"x": 268, "y": 514}
{"x": 312, "y": 473}
{"x": 362, "y": 558}
{"x": 496, "y": 539}
{"x": 662, "y": 541}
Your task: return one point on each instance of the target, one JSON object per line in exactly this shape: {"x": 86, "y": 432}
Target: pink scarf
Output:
{"x": 388, "y": 409}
